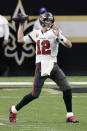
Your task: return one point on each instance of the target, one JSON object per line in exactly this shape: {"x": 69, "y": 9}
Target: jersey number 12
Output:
{"x": 45, "y": 47}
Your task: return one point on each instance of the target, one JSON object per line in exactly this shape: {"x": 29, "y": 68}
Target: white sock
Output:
{"x": 69, "y": 114}
{"x": 14, "y": 109}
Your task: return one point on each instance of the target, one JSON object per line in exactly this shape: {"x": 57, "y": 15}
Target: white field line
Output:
{"x": 1, "y": 124}
{"x": 79, "y": 96}
{"x": 46, "y": 83}
{"x": 11, "y": 97}
{"x": 37, "y": 128}
{"x": 16, "y": 83}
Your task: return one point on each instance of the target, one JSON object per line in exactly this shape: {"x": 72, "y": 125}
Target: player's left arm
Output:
{"x": 68, "y": 43}
{"x": 61, "y": 38}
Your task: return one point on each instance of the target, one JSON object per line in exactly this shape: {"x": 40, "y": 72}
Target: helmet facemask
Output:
{"x": 47, "y": 20}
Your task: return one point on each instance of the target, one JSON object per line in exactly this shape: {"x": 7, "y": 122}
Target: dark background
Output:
{"x": 57, "y": 7}
{"x": 72, "y": 61}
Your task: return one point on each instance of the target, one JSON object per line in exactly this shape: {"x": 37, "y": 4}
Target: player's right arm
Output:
{"x": 20, "y": 36}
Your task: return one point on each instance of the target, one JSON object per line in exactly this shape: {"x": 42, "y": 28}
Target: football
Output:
{"x": 20, "y": 18}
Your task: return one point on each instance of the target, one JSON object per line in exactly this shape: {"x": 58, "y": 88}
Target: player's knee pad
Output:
{"x": 36, "y": 92}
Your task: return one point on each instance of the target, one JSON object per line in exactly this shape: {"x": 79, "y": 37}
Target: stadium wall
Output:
{"x": 71, "y": 20}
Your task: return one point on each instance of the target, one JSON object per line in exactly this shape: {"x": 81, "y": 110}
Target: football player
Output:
{"x": 47, "y": 42}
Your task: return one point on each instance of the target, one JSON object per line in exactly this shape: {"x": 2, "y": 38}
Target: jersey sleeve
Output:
{"x": 29, "y": 38}
{"x": 32, "y": 35}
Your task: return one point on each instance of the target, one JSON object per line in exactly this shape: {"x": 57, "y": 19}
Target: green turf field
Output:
{"x": 46, "y": 113}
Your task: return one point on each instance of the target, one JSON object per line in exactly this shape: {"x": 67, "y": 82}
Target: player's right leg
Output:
{"x": 59, "y": 77}
{"x": 37, "y": 86}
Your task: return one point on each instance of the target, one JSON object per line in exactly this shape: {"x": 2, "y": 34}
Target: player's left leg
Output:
{"x": 59, "y": 77}
{"x": 37, "y": 86}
